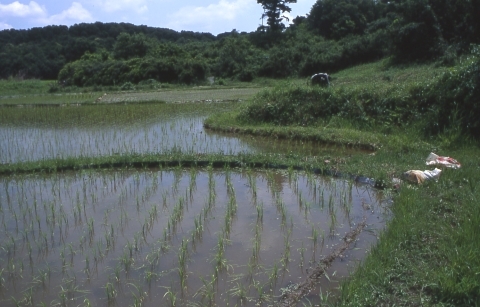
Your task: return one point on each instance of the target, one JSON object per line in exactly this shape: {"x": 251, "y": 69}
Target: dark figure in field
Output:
{"x": 320, "y": 79}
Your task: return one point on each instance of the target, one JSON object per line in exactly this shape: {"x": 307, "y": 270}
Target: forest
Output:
{"x": 335, "y": 34}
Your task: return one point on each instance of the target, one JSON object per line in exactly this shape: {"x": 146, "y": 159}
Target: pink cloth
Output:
{"x": 434, "y": 159}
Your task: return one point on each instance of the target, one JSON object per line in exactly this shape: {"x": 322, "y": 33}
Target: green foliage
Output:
{"x": 93, "y": 70}
{"x": 13, "y": 87}
{"x": 220, "y": 81}
{"x": 279, "y": 63}
{"x": 447, "y": 103}
{"x": 130, "y": 46}
{"x": 425, "y": 257}
{"x": 53, "y": 87}
{"x": 30, "y": 60}
{"x": 334, "y": 35}
{"x": 237, "y": 58}
{"x": 42, "y": 52}
{"x": 453, "y": 100}
{"x": 416, "y": 34}
{"x": 127, "y": 86}
{"x": 306, "y": 106}
{"x": 335, "y": 19}
{"x": 273, "y": 10}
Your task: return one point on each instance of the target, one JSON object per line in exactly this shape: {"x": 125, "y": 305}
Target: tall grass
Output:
{"x": 433, "y": 237}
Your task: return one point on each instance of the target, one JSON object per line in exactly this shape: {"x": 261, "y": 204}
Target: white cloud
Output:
{"x": 4, "y": 26}
{"x": 109, "y": 6}
{"x": 76, "y": 13}
{"x": 209, "y": 15}
{"x": 18, "y": 9}
{"x": 290, "y": 18}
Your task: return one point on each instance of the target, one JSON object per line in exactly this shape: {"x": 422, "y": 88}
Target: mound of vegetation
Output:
{"x": 435, "y": 105}
{"x": 453, "y": 100}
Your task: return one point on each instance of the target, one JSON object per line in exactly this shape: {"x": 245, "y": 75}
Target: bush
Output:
{"x": 93, "y": 71}
{"x": 454, "y": 100}
{"x": 53, "y": 87}
{"x": 127, "y": 86}
{"x": 450, "y": 102}
{"x": 221, "y": 81}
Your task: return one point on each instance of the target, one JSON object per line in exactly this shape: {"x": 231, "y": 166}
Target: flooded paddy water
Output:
{"x": 167, "y": 237}
{"x": 190, "y": 236}
{"x": 31, "y": 134}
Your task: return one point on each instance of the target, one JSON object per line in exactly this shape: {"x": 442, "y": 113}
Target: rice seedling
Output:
{"x": 86, "y": 270}
{"x": 138, "y": 296}
{"x": 333, "y": 221}
{"x": 239, "y": 290}
{"x": 126, "y": 262}
{"x": 171, "y": 296}
{"x": 207, "y": 291}
{"x": 111, "y": 292}
{"x": 331, "y": 203}
{"x": 286, "y": 251}
{"x": 198, "y": 221}
{"x": 314, "y": 237}
{"x": 219, "y": 259}
{"x": 259, "y": 208}
{"x": 302, "y": 255}
{"x": 117, "y": 272}
{"x": 60, "y": 222}
{"x": 256, "y": 244}
{"x": 261, "y": 297}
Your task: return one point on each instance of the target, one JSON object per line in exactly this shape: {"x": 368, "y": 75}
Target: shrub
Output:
{"x": 454, "y": 99}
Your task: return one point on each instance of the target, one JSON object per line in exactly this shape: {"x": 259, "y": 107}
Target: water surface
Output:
{"x": 199, "y": 236}
{"x": 32, "y": 134}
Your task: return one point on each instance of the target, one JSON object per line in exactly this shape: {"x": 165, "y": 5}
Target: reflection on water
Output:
{"x": 188, "y": 237}
{"x": 197, "y": 236}
{"x": 30, "y": 134}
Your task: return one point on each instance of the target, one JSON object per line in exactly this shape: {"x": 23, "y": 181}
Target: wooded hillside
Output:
{"x": 336, "y": 34}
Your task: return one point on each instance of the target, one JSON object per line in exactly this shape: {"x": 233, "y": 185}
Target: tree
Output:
{"x": 335, "y": 19}
{"x": 130, "y": 46}
{"x": 416, "y": 33}
{"x": 273, "y": 10}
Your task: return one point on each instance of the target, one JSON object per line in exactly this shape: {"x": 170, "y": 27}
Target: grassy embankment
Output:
{"x": 49, "y": 93}
{"x": 429, "y": 253}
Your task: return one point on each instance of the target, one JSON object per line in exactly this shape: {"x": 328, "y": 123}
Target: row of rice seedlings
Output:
{"x": 182, "y": 264}
{"x": 91, "y": 230}
{"x": 53, "y": 217}
{"x": 183, "y": 253}
{"x": 82, "y": 136}
{"x": 95, "y": 242}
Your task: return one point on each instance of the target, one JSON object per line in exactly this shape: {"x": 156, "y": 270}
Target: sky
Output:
{"x": 212, "y": 16}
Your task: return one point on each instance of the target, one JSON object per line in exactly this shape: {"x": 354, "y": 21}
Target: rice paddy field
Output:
{"x": 38, "y": 133}
{"x": 180, "y": 236}
{"x": 168, "y": 237}
{"x": 199, "y": 94}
